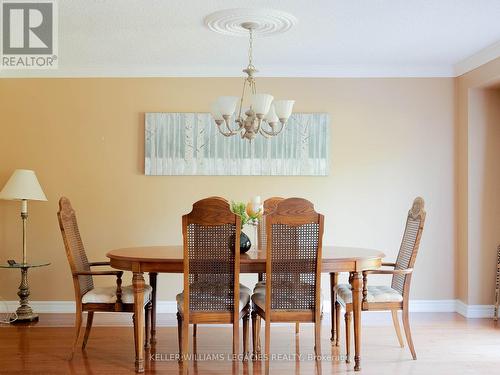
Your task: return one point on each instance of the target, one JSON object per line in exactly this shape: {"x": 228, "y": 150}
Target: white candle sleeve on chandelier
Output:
{"x": 284, "y": 108}
{"x": 261, "y": 103}
{"x": 227, "y": 105}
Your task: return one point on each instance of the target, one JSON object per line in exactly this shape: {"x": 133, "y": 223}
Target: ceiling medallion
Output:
{"x": 266, "y": 21}
{"x": 263, "y": 111}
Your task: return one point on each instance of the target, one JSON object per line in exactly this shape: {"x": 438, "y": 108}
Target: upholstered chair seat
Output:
{"x": 245, "y": 293}
{"x": 375, "y": 293}
{"x": 260, "y": 290}
{"x": 107, "y": 294}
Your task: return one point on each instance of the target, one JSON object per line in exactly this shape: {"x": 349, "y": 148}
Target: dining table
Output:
{"x": 169, "y": 259}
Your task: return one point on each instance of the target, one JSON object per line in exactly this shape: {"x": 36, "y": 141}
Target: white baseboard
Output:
{"x": 474, "y": 311}
{"x": 170, "y": 307}
{"x": 61, "y": 307}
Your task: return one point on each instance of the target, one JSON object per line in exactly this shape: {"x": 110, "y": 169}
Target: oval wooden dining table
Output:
{"x": 169, "y": 259}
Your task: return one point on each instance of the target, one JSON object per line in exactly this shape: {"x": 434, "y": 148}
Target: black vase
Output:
{"x": 245, "y": 243}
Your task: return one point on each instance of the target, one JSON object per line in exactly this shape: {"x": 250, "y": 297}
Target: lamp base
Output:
{"x": 24, "y": 311}
{"x": 26, "y": 317}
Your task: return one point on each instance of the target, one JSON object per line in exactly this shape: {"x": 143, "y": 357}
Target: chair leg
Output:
{"x": 179, "y": 333}
{"x": 236, "y": 337}
{"x": 259, "y": 325}
{"x": 195, "y": 329}
{"x": 254, "y": 334}
{"x": 337, "y": 323}
{"x": 268, "y": 339}
{"x": 147, "y": 314}
{"x": 406, "y": 325}
{"x": 185, "y": 339}
{"x": 90, "y": 319}
{"x": 317, "y": 338}
{"x": 78, "y": 326}
{"x": 152, "y": 282}
{"x": 246, "y": 321}
{"x": 134, "y": 323}
{"x": 395, "y": 321}
{"x": 348, "y": 319}
{"x": 297, "y": 328}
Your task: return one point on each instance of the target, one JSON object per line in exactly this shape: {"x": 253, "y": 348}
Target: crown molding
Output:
{"x": 313, "y": 71}
{"x": 476, "y": 60}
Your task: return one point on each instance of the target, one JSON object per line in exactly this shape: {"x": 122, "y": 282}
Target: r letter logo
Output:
{"x": 29, "y": 34}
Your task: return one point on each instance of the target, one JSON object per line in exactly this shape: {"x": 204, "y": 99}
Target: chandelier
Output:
{"x": 265, "y": 115}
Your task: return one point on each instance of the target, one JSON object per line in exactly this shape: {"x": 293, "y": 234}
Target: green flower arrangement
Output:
{"x": 245, "y": 212}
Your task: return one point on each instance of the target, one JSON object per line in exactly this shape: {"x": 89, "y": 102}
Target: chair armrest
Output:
{"x": 389, "y": 272}
{"x": 384, "y": 264}
{"x": 93, "y": 264}
{"x": 98, "y": 273}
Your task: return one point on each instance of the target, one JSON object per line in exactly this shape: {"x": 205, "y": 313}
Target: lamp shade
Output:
{"x": 261, "y": 103}
{"x": 23, "y": 184}
{"x": 216, "y": 113}
{"x": 284, "y": 108}
{"x": 227, "y": 105}
{"x": 271, "y": 115}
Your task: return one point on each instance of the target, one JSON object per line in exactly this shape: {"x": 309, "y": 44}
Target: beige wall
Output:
{"x": 478, "y": 153}
{"x": 484, "y": 198}
{"x": 391, "y": 139}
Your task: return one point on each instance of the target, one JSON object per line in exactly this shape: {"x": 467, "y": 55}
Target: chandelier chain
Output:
{"x": 250, "y": 49}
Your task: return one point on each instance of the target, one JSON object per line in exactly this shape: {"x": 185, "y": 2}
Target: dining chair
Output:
{"x": 212, "y": 293}
{"x": 88, "y": 297}
{"x": 388, "y": 298}
{"x": 292, "y": 291}
{"x": 269, "y": 205}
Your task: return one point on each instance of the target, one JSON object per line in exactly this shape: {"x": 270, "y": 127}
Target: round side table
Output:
{"x": 24, "y": 311}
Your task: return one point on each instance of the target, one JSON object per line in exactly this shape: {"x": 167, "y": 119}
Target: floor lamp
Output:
{"x": 23, "y": 186}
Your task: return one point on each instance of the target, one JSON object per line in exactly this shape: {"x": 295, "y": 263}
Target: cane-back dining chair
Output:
{"x": 293, "y": 270}
{"x": 212, "y": 292}
{"x": 88, "y": 297}
{"x": 385, "y": 298}
{"x": 270, "y": 205}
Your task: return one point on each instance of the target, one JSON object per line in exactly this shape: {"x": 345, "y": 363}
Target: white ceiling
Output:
{"x": 332, "y": 38}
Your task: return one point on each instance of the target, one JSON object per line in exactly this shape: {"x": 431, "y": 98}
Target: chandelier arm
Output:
{"x": 226, "y": 134}
{"x": 259, "y": 125}
{"x": 234, "y": 131}
{"x": 273, "y": 133}
{"x": 264, "y": 134}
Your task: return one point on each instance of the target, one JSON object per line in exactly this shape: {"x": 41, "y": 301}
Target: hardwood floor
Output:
{"x": 445, "y": 344}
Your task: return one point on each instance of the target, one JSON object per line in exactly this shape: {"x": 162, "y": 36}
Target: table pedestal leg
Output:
{"x": 357, "y": 289}
{"x": 138, "y": 284}
{"x": 24, "y": 311}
